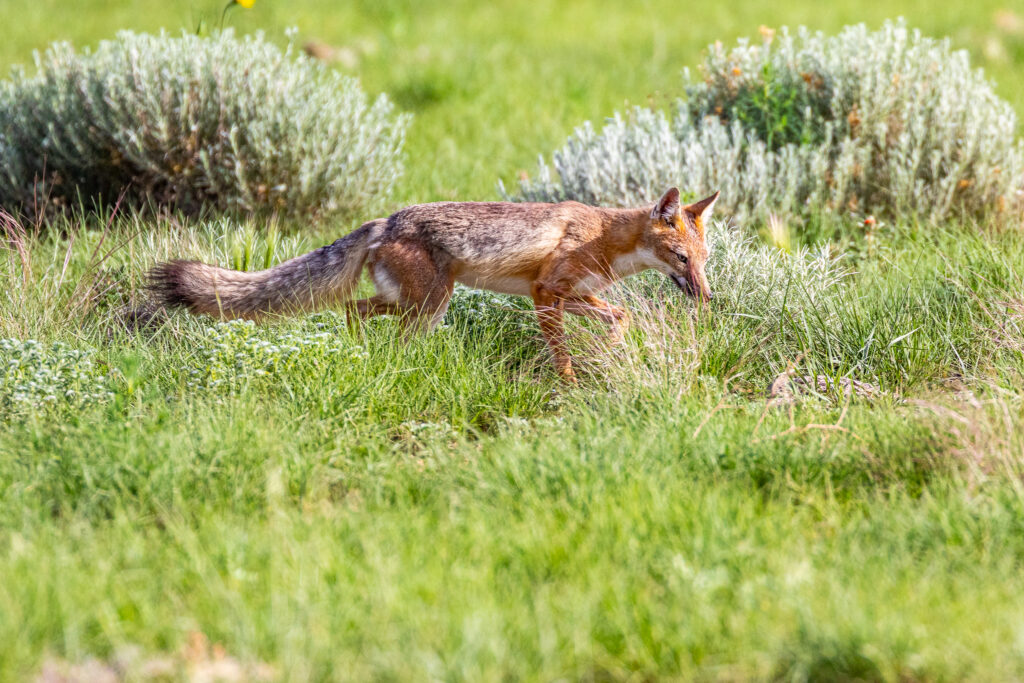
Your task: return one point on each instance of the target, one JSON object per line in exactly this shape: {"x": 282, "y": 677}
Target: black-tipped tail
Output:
{"x": 166, "y": 283}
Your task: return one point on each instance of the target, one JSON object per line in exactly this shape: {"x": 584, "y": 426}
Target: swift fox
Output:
{"x": 561, "y": 255}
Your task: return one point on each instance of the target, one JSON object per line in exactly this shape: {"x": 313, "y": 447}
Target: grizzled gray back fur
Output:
{"x": 494, "y": 236}
{"x": 322, "y": 277}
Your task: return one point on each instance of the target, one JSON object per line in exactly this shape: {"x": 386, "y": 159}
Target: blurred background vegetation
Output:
{"x": 493, "y": 84}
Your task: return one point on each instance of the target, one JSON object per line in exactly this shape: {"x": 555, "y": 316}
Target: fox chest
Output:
{"x": 622, "y": 266}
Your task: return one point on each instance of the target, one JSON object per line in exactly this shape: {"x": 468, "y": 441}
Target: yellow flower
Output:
{"x": 247, "y": 4}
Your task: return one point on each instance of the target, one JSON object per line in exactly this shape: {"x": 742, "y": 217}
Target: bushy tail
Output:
{"x": 324, "y": 277}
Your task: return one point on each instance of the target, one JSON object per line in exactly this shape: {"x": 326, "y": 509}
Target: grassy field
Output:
{"x": 304, "y": 501}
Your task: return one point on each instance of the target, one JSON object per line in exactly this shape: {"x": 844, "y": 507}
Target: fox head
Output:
{"x": 675, "y": 236}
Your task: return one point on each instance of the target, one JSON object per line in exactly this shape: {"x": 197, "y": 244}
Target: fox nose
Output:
{"x": 710, "y": 295}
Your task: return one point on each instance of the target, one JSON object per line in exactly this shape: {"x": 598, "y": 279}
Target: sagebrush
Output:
{"x": 37, "y": 377}
{"x": 806, "y": 125}
{"x": 193, "y": 123}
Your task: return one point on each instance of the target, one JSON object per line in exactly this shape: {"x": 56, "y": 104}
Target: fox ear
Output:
{"x": 667, "y": 207}
{"x": 702, "y": 209}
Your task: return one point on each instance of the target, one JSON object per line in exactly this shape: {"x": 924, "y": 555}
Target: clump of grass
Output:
{"x": 62, "y": 280}
{"x": 761, "y": 295}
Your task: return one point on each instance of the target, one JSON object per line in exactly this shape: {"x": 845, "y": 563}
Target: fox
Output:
{"x": 562, "y": 255}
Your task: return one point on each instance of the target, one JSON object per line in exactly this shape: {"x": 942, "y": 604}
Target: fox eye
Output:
{"x": 682, "y": 257}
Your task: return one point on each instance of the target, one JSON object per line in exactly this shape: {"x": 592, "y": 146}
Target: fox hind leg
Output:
{"x": 409, "y": 282}
{"x": 375, "y": 305}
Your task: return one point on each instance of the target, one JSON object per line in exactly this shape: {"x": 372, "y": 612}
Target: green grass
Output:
{"x": 440, "y": 508}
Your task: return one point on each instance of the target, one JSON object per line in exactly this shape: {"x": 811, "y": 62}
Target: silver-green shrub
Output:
{"x": 35, "y": 377}
{"x": 233, "y": 353}
{"x": 194, "y": 123}
{"x": 883, "y": 121}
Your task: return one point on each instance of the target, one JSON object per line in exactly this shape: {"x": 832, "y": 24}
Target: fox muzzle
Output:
{"x": 691, "y": 289}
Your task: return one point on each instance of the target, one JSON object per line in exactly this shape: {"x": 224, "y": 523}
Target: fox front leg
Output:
{"x": 550, "y": 308}
{"x": 599, "y": 309}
